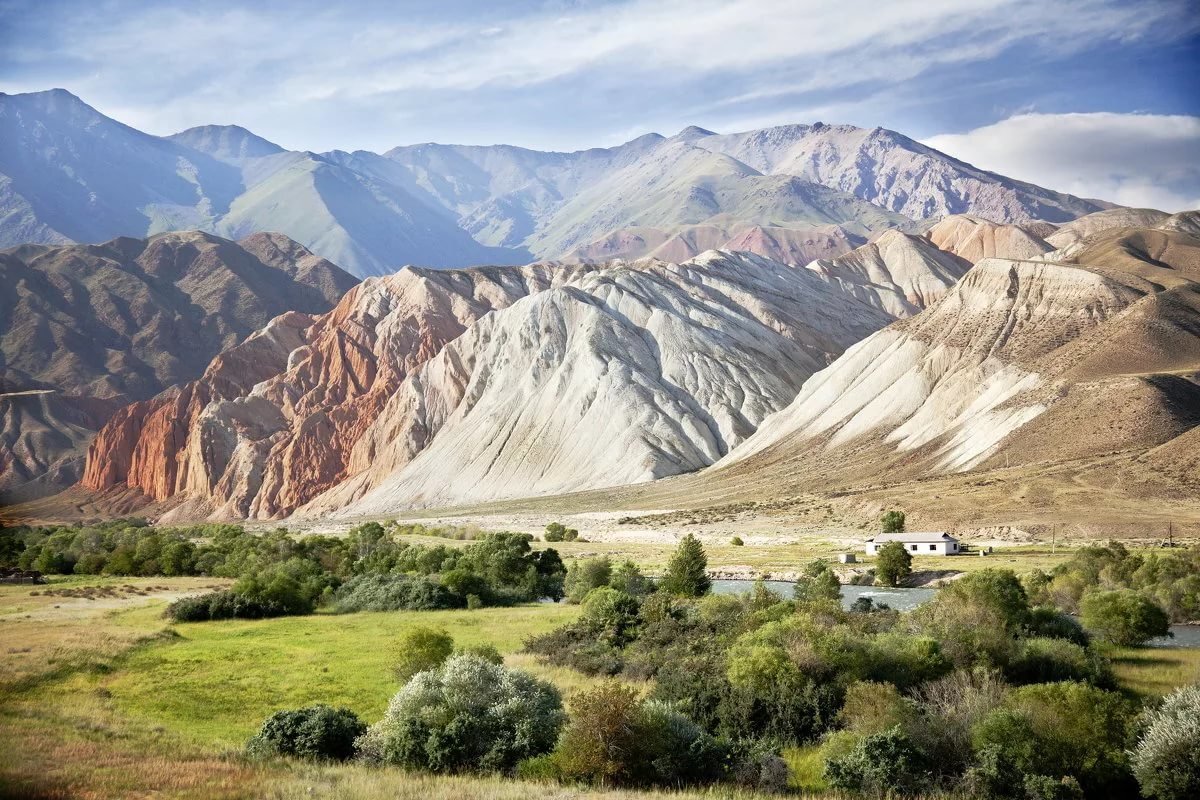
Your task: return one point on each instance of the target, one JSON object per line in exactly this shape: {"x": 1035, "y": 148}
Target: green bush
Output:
{"x": 315, "y": 732}
{"x": 223, "y": 605}
{"x": 1166, "y": 759}
{"x": 557, "y": 532}
{"x": 1048, "y": 621}
{"x": 392, "y": 593}
{"x": 736, "y": 541}
{"x": 627, "y": 578}
{"x": 687, "y": 571}
{"x": 880, "y": 764}
{"x": 1063, "y": 730}
{"x": 616, "y": 739}
{"x": 586, "y": 574}
{"x": 611, "y": 615}
{"x": 1123, "y": 617}
{"x": 468, "y": 715}
{"x": 1043, "y": 660}
{"x": 817, "y": 583}
{"x": 487, "y": 652}
{"x": 893, "y": 563}
{"x": 421, "y": 649}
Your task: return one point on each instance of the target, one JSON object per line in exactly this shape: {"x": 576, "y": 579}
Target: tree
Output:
{"x": 627, "y": 578}
{"x": 1123, "y": 617}
{"x": 998, "y": 590}
{"x": 893, "y": 564}
{"x": 687, "y": 571}
{"x": 315, "y": 732}
{"x": 818, "y": 583}
{"x": 422, "y": 649}
{"x": 892, "y": 522}
{"x": 612, "y": 615}
{"x": 1166, "y": 760}
{"x": 468, "y": 715}
{"x": 557, "y": 532}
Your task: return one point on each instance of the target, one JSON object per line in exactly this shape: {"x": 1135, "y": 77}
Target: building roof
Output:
{"x": 915, "y": 537}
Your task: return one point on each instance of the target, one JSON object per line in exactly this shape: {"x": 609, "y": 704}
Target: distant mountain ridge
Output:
{"x": 798, "y": 192}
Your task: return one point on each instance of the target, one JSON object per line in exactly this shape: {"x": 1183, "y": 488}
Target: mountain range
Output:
{"x": 793, "y": 193}
{"x": 85, "y": 329}
{"x": 491, "y": 384}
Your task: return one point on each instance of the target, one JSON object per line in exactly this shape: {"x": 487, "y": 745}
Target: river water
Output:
{"x": 908, "y": 599}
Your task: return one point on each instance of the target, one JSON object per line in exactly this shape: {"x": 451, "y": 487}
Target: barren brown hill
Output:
{"x": 1035, "y": 365}
{"x": 975, "y": 239}
{"x": 91, "y": 327}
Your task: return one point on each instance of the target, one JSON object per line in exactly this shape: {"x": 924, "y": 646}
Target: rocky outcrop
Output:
{"x": 272, "y": 422}
{"x": 1022, "y": 361}
{"x": 430, "y": 386}
{"x": 88, "y": 328}
{"x": 622, "y": 376}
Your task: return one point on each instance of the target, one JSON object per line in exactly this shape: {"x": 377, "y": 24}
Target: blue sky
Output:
{"x": 1003, "y": 83}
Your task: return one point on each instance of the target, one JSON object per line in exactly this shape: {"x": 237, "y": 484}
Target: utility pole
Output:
{"x": 1053, "y": 537}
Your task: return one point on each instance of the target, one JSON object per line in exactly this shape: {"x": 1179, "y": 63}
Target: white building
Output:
{"x": 936, "y": 543}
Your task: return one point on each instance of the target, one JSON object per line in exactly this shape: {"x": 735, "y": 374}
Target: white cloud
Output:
{"x": 268, "y": 65}
{"x": 1143, "y": 160}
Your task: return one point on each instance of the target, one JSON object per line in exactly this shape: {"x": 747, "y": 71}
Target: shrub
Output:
{"x": 687, "y": 570}
{"x": 586, "y": 574}
{"x": 1166, "y": 759}
{"x": 1043, "y": 660}
{"x": 223, "y": 605}
{"x": 392, "y": 593}
{"x": 616, "y": 739}
{"x": 737, "y": 541}
{"x": 557, "y": 532}
{"x": 487, "y": 652}
{"x": 880, "y": 764}
{"x": 1062, "y": 730}
{"x": 874, "y": 708}
{"x": 892, "y": 522}
{"x": 893, "y": 564}
{"x": 466, "y": 716}
{"x": 997, "y": 590}
{"x": 474, "y": 602}
{"x": 612, "y": 615}
{"x": 627, "y": 578}
{"x": 422, "y": 649}
{"x": 817, "y": 583}
{"x": 1123, "y": 617}
{"x": 1050, "y": 622}
{"x": 315, "y": 732}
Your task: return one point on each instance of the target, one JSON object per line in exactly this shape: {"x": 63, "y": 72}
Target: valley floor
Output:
{"x": 103, "y": 698}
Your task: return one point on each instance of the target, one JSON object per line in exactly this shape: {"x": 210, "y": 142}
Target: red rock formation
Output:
{"x": 272, "y": 422}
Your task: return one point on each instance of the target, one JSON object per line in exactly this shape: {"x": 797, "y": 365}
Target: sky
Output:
{"x": 1095, "y": 97}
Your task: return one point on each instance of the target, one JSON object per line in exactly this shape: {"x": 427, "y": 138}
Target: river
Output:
{"x": 908, "y": 599}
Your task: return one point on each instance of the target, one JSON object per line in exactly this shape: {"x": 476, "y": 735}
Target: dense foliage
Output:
{"x": 1170, "y": 578}
{"x": 893, "y": 563}
{"x": 371, "y": 569}
{"x": 687, "y": 571}
{"x": 1167, "y": 757}
{"x": 316, "y": 732}
{"x": 979, "y": 691}
{"x": 468, "y": 715}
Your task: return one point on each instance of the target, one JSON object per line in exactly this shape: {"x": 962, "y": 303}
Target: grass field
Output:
{"x": 102, "y": 697}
